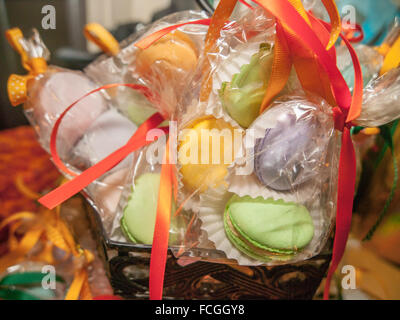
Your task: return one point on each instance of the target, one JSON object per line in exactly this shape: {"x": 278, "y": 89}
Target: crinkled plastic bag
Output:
{"x": 170, "y": 60}
{"x": 89, "y": 132}
{"x": 381, "y": 103}
{"x": 49, "y": 94}
{"x": 136, "y": 213}
{"x": 291, "y": 149}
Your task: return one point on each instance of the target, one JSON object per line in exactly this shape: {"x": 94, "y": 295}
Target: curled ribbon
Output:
{"x": 78, "y": 183}
{"x": 297, "y": 30}
{"x": 49, "y": 226}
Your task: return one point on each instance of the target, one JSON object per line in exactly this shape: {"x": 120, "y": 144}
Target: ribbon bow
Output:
{"x": 47, "y": 228}
{"x": 17, "y": 85}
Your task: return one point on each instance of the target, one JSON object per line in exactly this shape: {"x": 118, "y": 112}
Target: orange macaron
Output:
{"x": 168, "y": 57}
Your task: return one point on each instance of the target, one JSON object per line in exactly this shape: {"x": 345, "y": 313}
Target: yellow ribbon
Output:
{"x": 392, "y": 58}
{"x": 45, "y": 227}
{"x": 17, "y": 85}
{"x": 101, "y": 37}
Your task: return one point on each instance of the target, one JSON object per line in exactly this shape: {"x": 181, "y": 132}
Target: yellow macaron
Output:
{"x": 206, "y": 149}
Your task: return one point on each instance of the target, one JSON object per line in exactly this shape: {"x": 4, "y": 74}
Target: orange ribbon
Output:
{"x": 302, "y": 34}
{"x": 220, "y": 17}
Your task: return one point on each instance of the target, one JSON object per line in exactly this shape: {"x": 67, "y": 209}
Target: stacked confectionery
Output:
{"x": 255, "y": 126}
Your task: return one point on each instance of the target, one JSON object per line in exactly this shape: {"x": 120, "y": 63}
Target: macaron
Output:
{"x": 139, "y": 215}
{"x": 293, "y": 151}
{"x": 202, "y": 163}
{"x": 243, "y": 95}
{"x": 134, "y": 106}
{"x": 109, "y": 132}
{"x": 173, "y": 51}
{"x": 264, "y": 229}
{"x": 51, "y": 95}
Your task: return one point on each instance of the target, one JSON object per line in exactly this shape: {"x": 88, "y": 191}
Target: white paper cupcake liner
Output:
{"x": 211, "y": 213}
{"x": 244, "y": 182}
{"x": 230, "y": 65}
{"x": 196, "y": 111}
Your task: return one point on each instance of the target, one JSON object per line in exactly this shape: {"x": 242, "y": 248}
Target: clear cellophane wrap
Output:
{"x": 293, "y": 143}
{"x": 90, "y": 131}
{"x": 166, "y": 76}
{"x": 131, "y": 65}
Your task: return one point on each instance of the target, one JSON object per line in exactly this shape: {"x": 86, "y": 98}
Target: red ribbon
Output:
{"x": 351, "y": 33}
{"x": 350, "y": 108}
{"x": 78, "y": 183}
{"x": 347, "y": 171}
{"x": 159, "y": 248}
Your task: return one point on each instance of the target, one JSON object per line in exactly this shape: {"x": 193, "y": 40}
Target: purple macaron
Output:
{"x": 292, "y": 152}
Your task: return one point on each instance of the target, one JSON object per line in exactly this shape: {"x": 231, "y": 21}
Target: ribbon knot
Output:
{"x": 339, "y": 118}
{"x": 17, "y": 85}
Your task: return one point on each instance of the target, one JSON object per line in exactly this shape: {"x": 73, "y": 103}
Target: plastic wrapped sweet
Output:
{"x": 275, "y": 203}
{"x": 290, "y": 153}
{"x": 204, "y": 172}
{"x": 135, "y": 216}
{"x": 139, "y": 216}
{"x": 243, "y": 69}
{"x": 243, "y": 95}
{"x": 166, "y": 56}
{"x": 295, "y": 167}
{"x": 51, "y": 95}
{"x": 108, "y": 132}
{"x": 50, "y": 92}
{"x": 168, "y": 60}
{"x": 262, "y": 228}
{"x": 88, "y": 133}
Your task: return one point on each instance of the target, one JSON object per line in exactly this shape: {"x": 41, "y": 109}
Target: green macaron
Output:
{"x": 242, "y": 97}
{"x": 267, "y": 229}
{"x": 139, "y": 216}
